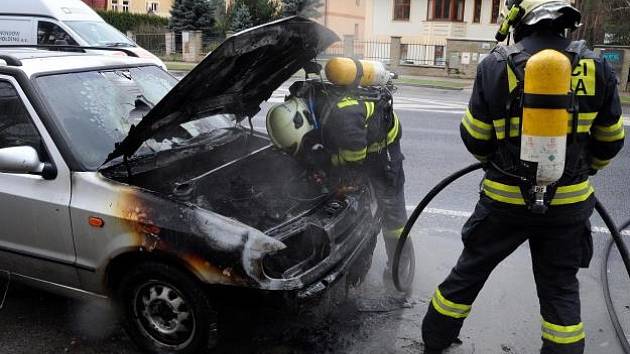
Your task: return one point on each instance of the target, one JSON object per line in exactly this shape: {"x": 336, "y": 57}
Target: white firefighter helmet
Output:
{"x": 529, "y": 12}
{"x": 288, "y": 123}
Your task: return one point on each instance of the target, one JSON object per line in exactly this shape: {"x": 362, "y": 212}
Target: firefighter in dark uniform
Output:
{"x": 349, "y": 136}
{"x": 507, "y": 215}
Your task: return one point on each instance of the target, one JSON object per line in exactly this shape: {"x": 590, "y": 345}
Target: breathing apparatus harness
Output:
{"x": 507, "y": 161}
{"x": 316, "y": 91}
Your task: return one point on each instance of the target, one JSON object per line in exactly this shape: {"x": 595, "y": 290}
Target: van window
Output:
{"x": 49, "y": 33}
{"x": 99, "y": 34}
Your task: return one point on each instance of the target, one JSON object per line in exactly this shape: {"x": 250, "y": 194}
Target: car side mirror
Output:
{"x": 25, "y": 160}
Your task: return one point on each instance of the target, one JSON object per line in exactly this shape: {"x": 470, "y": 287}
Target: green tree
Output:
{"x": 192, "y": 15}
{"x": 261, "y": 11}
{"x": 306, "y": 8}
{"x": 241, "y": 18}
{"x": 222, "y": 21}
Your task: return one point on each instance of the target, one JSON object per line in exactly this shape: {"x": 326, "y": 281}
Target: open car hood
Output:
{"x": 235, "y": 78}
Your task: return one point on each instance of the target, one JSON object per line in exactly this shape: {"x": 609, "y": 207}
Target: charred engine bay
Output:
{"x": 245, "y": 179}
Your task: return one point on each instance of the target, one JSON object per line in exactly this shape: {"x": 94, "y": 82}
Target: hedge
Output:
{"x": 126, "y": 21}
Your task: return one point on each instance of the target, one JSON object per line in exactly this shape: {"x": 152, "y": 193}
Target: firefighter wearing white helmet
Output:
{"x": 288, "y": 123}
{"x": 544, "y": 115}
{"x": 330, "y": 129}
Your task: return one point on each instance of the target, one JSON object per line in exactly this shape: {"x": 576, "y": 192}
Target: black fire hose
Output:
{"x": 616, "y": 239}
{"x": 416, "y": 214}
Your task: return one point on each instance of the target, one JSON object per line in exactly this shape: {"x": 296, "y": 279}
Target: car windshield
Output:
{"x": 95, "y": 110}
{"x": 99, "y": 34}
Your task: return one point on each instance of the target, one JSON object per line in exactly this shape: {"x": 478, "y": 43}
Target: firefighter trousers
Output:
{"x": 388, "y": 180}
{"x": 558, "y": 249}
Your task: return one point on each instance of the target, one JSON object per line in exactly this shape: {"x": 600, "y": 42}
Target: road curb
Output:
{"x": 432, "y": 86}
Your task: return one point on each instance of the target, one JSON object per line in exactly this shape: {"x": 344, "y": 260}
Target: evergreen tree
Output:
{"x": 192, "y": 15}
{"x": 241, "y": 18}
{"x": 261, "y": 11}
{"x": 223, "y": 21}
{"x": 306, "y": 8}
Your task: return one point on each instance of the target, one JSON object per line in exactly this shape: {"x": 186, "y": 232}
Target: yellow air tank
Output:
{"x": 343, "y": 72}
{"x": 546, "y": 114}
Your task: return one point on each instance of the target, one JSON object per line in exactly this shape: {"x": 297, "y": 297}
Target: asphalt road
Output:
{"x": 505, "y": 318}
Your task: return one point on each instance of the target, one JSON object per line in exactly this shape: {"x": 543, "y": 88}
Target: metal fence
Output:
{"x": 168, "y": 45}
{"x": 210, "y": 43}
{"x": 335, "y": 50}
{"x": 373, "y": 50}
{"x": 422, "y": 54}
{"x": 162, "y": 44}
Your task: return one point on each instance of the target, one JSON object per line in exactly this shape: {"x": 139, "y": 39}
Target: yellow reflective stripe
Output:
{"x": 573, "y": 194}
{"x": 391, "y": 137}
{"x": 353, "y": 155}
{"x": 512, "y": 81}
{"x": 585, "y": 121}
{"x": 611, "y": 133}
{"x": 449, "y": 308}
{"x": 599, "y": 164}
{"x": 376, "y": 147}
{"x": 515, "y": 127}
{"x": 369, "y": 107}
{"x": 347, "y": 102}
{"x": 394, "y": 233}
{"x": 512, "y": 194}
{"x": 503, "y": 192}
{"x": 393, "y": 133}
{"x": 476, "y": 128}
{"x": 563, "y": 334}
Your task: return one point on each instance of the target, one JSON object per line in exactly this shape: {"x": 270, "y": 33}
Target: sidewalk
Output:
{"x": 445, "y": 83}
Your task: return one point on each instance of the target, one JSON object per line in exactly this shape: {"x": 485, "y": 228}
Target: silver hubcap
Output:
{"x": 163, "y": 314}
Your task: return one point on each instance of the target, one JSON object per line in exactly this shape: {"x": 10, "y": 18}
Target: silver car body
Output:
{"x": 72, "y": 233}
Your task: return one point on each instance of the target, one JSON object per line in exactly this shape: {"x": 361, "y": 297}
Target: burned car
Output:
{"x": 119, "y": 182}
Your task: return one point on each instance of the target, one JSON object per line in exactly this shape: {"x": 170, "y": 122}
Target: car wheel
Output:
{"x": 407, "y": 267}
{"x": 166, "y": 310}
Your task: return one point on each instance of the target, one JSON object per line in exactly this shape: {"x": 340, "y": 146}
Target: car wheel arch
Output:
{"x": 116, "y": 268}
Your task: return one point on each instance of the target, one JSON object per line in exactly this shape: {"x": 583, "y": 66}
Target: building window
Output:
{"x": 446, "y": 10}
{"x": 358, "y": 2}
{"x": 356, "y": 30}
{"x": 477, "y": 13}
{"x": 153, "y": 7}
{"x": 114, "y": 5}
{"x": 402, "y": 8}
{"x": 496, "y": 4}
{"x": 125, "y": 5}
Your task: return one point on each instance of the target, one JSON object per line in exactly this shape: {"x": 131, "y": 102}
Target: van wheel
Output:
{"x": 166, "y": 311}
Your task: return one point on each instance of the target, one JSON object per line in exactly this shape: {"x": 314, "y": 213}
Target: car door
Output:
{"x": 35, "y": 233}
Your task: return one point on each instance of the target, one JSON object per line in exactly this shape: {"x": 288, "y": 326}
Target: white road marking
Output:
{"x": 626, "y": 121}
{"x": 466, "y": 215}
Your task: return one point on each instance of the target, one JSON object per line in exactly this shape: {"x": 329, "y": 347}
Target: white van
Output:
{"x": 65, "y": 22}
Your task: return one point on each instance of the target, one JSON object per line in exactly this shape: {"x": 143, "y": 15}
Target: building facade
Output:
{"x": 157, "y": 7}
{"x": 97, "y": 4}
{"x": 345, "y": 17}
{"x": 432, "y": 21}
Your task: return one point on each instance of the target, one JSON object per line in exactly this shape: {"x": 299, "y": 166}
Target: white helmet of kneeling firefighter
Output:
{"x": 519, "y": 14}
{"x": 288, "y": 123}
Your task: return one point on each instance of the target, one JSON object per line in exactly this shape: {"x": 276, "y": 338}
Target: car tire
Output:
{"x": 165, "y": 310}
